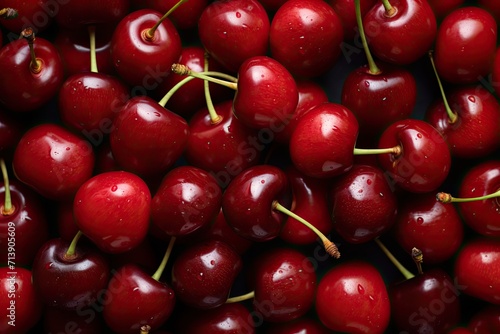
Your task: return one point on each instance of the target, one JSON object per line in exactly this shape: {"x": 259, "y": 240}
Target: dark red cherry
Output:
{"x": 303, "y": 325}
{"x": 37, "y": 14}
{"x": 485, "y": 320}
{"x": 11, "y": 131}
{"x": 76, "y": 14}
{"x": 83, "y": 321}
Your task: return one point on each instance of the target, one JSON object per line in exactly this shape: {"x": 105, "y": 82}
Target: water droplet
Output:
{"x": 223, "y": 34}
{"x": 361, "y": 290}
{"x": 48, "y": 265}
{"x": 367, "y": 83}
{"x": 419, "y": 135}
{"x": 238, "y": 14}
{"x": 472, "y": 98}
{"x": 68, "y": 148}
{"x": 369, "y": 181}
{"x": 114, "y": 188}
{"x": 262, "y": 181}
{"x": 212, "y": 262}
{"x": 360, "y": 191}
{"x": 200, "y": 277}
{"x": 302, "y": 51}
{"x": 420, "y": 220}
{"x": 135, "y": 289}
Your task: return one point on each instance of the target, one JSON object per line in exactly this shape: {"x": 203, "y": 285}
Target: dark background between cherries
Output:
{"x": 427, "y": 92}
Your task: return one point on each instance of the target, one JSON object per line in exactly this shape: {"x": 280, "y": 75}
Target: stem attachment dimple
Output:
{"x": 35, "y": 64}
{"x": 390, "y": 11}
{"x": 70, "y": 253}
{"x": 145, "y": 329}
{"x": 150, "y": 33}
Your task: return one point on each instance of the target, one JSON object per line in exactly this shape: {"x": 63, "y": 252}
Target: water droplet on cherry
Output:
{"x": 420, "y": 220}
{"x": 238, "y": 14}
{"x": 472, "y": 98}
{"x": 114, "y": 188}
{"x": 361, "y": 290}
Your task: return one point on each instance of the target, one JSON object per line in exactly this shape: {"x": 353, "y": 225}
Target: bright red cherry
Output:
{"x": 352, "y": 298}
{"x": 465, "y": 45}
{"x": 113, "y": 210}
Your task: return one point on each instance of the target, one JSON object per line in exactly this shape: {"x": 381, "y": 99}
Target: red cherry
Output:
{"x": 389, "y": 30}
{"x": 53, "y": 161}
{"x": 37, "y": 14}
{"x": 233, "y": 31}
{"x": 75, "y": 14}
{"x": 305, "y": 37}
{"x": 113, "y": 210}
{"x": 304, "y": 325}
{"x": 477, "y": 271}
{"x": 486, "y": 320}
{"x": 465, "y": 45}
{"x": 11, "y": 131}
{"x": 352, "y": 297}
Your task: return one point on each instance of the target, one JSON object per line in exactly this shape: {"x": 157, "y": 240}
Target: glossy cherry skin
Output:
{"x": 476, "y": 133}
{"x": 232, "y": 31}
{"x": 27, "y": 226}
{"x": 88, "y": 102}
{"x": 305, "y": 37}
{"x": 37, "y": 14}
{"x": 74, "y": 48}
{"x": 425, "y": 161}
{"x": 113, "y": 210}
{"x": 53, "y": 161}
{"x": 19, "y": 301}
{"x": 323, "y": 141}
{"x": 477, "y": 271}
{"x": 486, "y": 320}
{"x": 146, "y": 138}
{"x": 187, "y": 199}
{"x": 285, "y": 285}
{"x": 85, "y": 275}
{"x": 352, "y": 298}
{"x": 305, "y": 325}
{"x": 310, "y": 201}
{"x": 11, "y": 131}
{"x": 378, "y": 100}
{"x": 443, "y": 7}
{"x": 247, "y": 202}
{"x": 429, "y": 225}
{"x": 225, "y": 148}
{"x": 363, "y": 204}
{"x": 267, "y": 94}
{"x": 311, "y": 94}
{"x": 30, "y": 90}
{"x": 346, "y": 11}
{"x": 203, "y": 274}
{"x": 388, "y": 35}
{"x": 465, "y": 45}
{"x": 426, "y": 303}
{"x": 77, "y": 14}
{"x": 137, "y": 299}
{"x": 482, "y": 216}
{"x": 140, "y": 61}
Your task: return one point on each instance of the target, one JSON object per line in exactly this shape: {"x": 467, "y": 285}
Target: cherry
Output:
{"x": 144, "y": 46}
{"x": 363, "y": 204}
{"x": 285, "y": 285}
{"x": 429, "y": 225}
{"x": 486, "y": 320}
{"x": 19, "y": 301}
{"x": 391, "y": 24}
{"x": 84, "y": 271}
{"x": 11, "y": 131}
{"x": 24, "y": 225}
{"x": 37, "y": 14}
{"x": 465, "y": 45}
{"x": 37, "y": 69}
{"x": 352, "y": 297}
{"x": 187, "y": 199}
{"x": 146, "y": 138}
{"x": 75, "y": 14}
{"x": 309, "y": 201}
{"x": 304, "y": 325}
{"x": 233, "y": 31}
{"x": 346, "y": 11}
{"x": 113, "y": 210}
{"x": 477, "y": 201}
{"x": 476, "y": 269}
{"x": 202, "y": 275}
{"x": 53, "y": 161}
{"x": 305, "y": 36}
{"x": 137, "y": 299}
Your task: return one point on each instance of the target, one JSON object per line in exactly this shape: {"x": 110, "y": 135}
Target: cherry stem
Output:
{"x": 372, "y": 67}
{"x": 405, "y": 272}
{"x": 7, "y": 208}
{"x": 8, "y": 13}
{"x": 156, "y": 276}
{"x": 418, "y": 258}
{"x": 93, "y": 58}
{"x": 184, "y": 70}
{"x": 151, "y": 32}
{"x": 70, "y": 253}
{"x": 389, "y": 10}
{"x": 452, "y": 116}
{"x": 396, "y": 150}
{"x": 330, "y": 247}
{"x": 145, "y": 329}
{"x": 214, "y": 118}
{"x": 241, "y": 298}
{"x": 35, "y": 64}
{"x": 447, "y": 198}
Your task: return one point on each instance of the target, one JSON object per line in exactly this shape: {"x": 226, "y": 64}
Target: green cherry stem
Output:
{"x": 396, "y": 150}
{"x": 214, "y": 118}
{"x": 230, "y": 82}
{"x": 447, "y": 198}
{"x": 7, "y": 208}
{"x": 389, "y": 10}
{"x": 452, "y": 116}
{"x": 405, "y": 272}
{"x": 241, "y": 298}
{"x": 372, "y": 67}
{"x": 70, "y": 253}
{"x": 156, "y": 276}
{"x": 330, "y": 247}
{"x": 93, "y": 57}
{"x": 150, "y": 33}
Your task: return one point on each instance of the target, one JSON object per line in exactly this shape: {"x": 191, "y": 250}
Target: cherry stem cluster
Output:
{"x": 150, "y": 33}
{"x": 372, "y": 67}
{"x": 35, "y": 64}
{"x": 70, "y": 253}
{"x": 8, "y": 13}
{"x": 230, "y": 81}
{"x": 330, "y": 247}
{"x": 405, "y": 272}
{"x": 156, "y": 276}
{"x": 452, "y": 116}
{"x": 7, "y": 208}
{"x": 93, "y": 57}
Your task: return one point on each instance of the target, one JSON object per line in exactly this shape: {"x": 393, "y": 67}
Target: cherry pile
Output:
{"x": 245, "y": 166}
